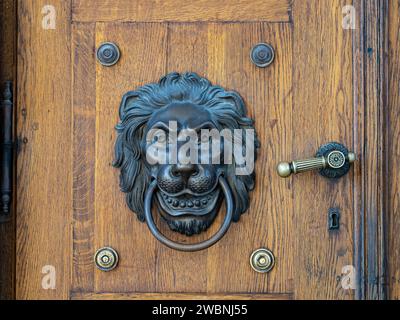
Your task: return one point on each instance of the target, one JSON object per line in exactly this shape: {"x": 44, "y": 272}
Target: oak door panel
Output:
{"x": 143, "y": 59}
{"x": 69, "y": 203}
{"x": 267, "y": 93}
{"x": 84, "y": 148}
{"x": 220, "y": 53}
{"x": 180, "y": 10}
{"x": 44, "y": 164}
{"x": 322, "y": 112}
{"x": 187, "y": 49}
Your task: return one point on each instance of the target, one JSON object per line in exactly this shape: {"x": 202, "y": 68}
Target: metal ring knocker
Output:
{"x": 189, "y": 247}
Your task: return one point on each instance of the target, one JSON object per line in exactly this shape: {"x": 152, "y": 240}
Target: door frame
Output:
{"x": 370, "y": 50}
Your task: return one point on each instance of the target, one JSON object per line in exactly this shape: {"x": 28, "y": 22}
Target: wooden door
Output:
{"x": 323, "y": 85}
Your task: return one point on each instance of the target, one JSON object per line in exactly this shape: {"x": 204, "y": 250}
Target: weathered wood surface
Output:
{"x": 180, "y": 10}
{"x": 44, "y": 171}
{"x": 393, "y": 149}
{"x": 322, "y": 87}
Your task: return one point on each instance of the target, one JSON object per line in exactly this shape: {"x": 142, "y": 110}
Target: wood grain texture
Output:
{"x": 375, "y": 153}
{"x": 180, "y": 10}
{"x": 219, "y": 52}
{"x": 8, "y": 47}
{"x": 322, "y": 112}
{"x": 370, "y": 72}
{"x": 143, "y": 60}
{"x": 393, "y": 181}
{"x": 358, "y": 135}
{"x": 84, "y": 141}
{"x": 186, "y": 50}
{"x": 326, "y": 84}
{"x": 44, "y": 161}
{"x": 267, "y": 93}
{"x": 179, "y": 296}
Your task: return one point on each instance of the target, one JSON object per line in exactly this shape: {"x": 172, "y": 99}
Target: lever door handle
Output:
{"x": 332, "y": 159}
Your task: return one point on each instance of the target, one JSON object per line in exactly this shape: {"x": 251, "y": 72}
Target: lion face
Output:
{"x": 188, "y": 194}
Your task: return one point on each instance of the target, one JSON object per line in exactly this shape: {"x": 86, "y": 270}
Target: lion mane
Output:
{"x": 227, "y": 109}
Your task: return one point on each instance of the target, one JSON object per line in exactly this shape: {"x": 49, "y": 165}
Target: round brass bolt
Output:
{"x": 108, "y": 54}
{"x": 106, "y": 259}
{"x": 262, "y": 260}
{"x": 262, "y": 55}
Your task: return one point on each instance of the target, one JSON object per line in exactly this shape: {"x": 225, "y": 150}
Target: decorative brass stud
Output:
{"x": 106, "y": 259}
{"x": 108, "y": 54}
{"x": 336, "y": 159}
{"x": 262, "y": 260}
{"x": 262, "y": 55}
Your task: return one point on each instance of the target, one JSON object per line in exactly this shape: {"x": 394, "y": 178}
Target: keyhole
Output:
{"x": 334, "y": 216}
{"x": 334, "y": 220}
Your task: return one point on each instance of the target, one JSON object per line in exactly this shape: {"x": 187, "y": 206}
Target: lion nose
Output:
{"x": 184, "y": 170}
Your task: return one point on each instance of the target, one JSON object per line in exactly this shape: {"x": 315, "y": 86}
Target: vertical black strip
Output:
{"x": 6, "y": 154}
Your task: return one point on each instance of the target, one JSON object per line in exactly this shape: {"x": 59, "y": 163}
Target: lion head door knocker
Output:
{"x": 179, "y": 143}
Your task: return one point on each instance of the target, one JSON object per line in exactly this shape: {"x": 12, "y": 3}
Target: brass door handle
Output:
{"x": 332, "y": 159}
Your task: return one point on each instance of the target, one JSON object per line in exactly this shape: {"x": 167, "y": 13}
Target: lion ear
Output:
{"x": 125, "y": 102}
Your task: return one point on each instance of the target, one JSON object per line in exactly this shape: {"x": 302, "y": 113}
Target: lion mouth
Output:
{"x": 188, "y": 204}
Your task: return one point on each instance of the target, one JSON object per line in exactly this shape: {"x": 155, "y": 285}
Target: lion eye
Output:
{"x": 160, "y": 137}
